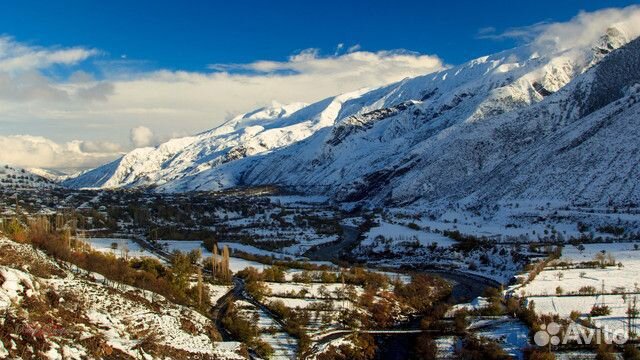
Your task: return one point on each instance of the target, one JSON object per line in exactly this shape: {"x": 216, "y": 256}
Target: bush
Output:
{"x": 145, "y": 274}
{"x": 425, "y": 347}
{"x": 631, "y": 352}
{"x": 239, "y": 327}
{"x": 423, "y": 291}
{"x": 480, "y": 348}
{"x": 413, "y": 226}
{"x": 538, "y": 354}
{"x": 605, "y": 352}
{"x": 589, "y": 290}
{"x": 575, "y": 315}
{"x": 460, "y": 322}
{"x": 600, "y": 310}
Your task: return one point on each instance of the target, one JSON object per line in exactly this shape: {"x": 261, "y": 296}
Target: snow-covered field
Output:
{"x": 304, "y": 303}
{"x": 313, "y": 290}
{"x": 134, "y": 250}
{"x": 563, "y": 306}
{"x": 118, "y": 247}
{"x": 613, "y": 279}
{"x": 217, "y": 291}
{"x": 387, "y": 236}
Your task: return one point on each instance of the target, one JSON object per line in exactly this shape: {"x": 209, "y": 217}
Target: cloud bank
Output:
{"x": 37, "y": 151}
{"x": 132, "y": 107}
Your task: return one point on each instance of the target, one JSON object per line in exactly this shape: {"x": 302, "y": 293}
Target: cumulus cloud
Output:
{"x": 180, "y": 101}
{"x": 141, "y": 136}
{"x": 38, "y": 151}
{"x": 99, "y": 147}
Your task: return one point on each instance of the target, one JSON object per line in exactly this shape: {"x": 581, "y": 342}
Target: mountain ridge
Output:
{"x": 305, "y": 144}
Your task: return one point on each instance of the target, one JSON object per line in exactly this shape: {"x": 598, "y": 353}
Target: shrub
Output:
{"x": 425, "y": 347}
{"x": 481, "y": 348}
{"x": 600, "y": 310}
{"x": 460, "y": 322}
{"x": 575, "y": 315}
{"x": 605, "y": 352}
{"x": 589, "y": 290}
{"x": 631, "y": 352}
{"x": 538, "y": 354}
{"x": 422, "y": 291}
{"x": 413, "y": 226}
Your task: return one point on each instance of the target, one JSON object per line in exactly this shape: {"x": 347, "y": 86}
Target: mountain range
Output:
{"x": 534, "y": 123}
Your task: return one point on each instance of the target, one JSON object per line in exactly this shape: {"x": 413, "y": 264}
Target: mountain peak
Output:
{"x": 612, "y": 39}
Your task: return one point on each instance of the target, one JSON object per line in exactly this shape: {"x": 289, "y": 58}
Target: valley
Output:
{"x": 311, "y": 276}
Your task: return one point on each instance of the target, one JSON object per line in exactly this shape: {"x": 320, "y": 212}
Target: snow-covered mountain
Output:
{"x": 532, "y": 122}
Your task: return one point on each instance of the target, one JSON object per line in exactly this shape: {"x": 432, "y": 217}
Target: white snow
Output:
{"x": 512, "y": 335}
{"x": 388, "y": 236}
{"x": 122, "y": 246}
{"x": 15, "y": 285}
{"x": 614, "y": 277}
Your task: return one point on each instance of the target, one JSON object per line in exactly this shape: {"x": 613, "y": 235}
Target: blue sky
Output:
{"x": 81, "y": 82}
{"x": 191, "y": 34}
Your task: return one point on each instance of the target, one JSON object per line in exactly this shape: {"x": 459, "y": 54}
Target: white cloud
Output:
{"x": 309, "y": 62}
{"x": 141, "y": 136}
{"x": 179, "y": 102}
{"x": 525, "y": 33}
{"x": 582, "y": 30}
{"x": 585, "y": 28}
{"x": 99, "y": 147}
{"x": 36, "y": 151}
{"x": 15, "y": 56}
{"x": 129, "y": 94}
{"x": 353, "y": 48}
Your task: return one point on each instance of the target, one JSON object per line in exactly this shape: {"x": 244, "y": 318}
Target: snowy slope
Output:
{"x": 244, "y": 135}
{"x": 444, "y": 135}
{"x": 20, "y": 179}
{"x": 579, "y": 144}
{"x": 93, "y": 318}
